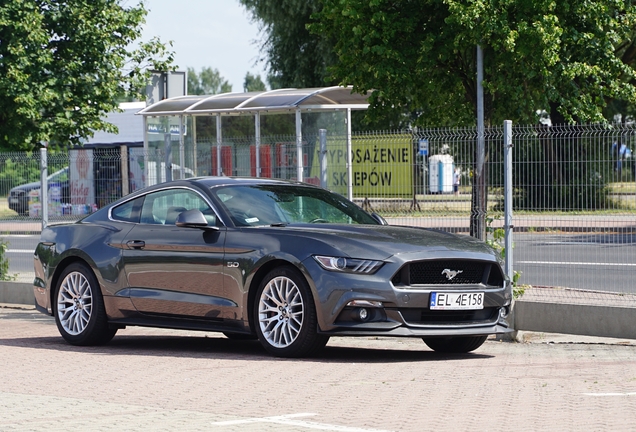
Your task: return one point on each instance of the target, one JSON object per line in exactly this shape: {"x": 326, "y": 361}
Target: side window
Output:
{"x": 163, "y": 207}
{"x": 128, "y": 211}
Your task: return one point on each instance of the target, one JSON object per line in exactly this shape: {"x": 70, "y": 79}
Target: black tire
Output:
{"x": 240, "y": 336}
{"x": 459, "y": 344}
{"x": 78, "y": 308}
{"x": 285, "y": 315}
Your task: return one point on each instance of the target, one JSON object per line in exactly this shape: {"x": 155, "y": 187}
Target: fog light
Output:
{"x": 363, "y": 314}
{"x": 504, "y": 311}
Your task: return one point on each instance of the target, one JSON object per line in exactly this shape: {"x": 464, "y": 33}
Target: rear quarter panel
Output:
{"x": 98, "y": 245}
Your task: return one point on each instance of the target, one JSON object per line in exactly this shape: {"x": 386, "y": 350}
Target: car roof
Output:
{"x": 210, "y": 182}
{"x": 241, "y": 181}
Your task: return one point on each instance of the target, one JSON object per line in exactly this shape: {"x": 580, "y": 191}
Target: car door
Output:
{"x": 176, "y": 271}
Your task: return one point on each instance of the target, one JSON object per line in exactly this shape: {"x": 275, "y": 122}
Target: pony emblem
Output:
{"x": 450, "y": 274}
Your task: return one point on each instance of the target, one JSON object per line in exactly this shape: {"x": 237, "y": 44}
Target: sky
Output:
{"x": 207, "y": 33}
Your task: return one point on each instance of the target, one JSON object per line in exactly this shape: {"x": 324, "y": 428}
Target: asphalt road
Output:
{"x": 599, "y": 262}
{"x": 20, "y": 254}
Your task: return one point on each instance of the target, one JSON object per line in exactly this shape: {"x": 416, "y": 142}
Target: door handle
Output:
{"x": 135, "y": 244}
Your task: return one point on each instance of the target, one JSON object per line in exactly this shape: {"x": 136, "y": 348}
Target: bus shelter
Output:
{"x": 177, "y": 116}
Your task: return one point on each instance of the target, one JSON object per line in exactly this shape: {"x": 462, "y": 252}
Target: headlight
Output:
{"x": 349, "y": 265}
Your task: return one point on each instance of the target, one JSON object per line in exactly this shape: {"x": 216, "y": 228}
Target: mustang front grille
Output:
{"x": 449, "y": 272}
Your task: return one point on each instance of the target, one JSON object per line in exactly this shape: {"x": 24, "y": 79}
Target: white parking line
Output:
{"x": 288, "y": 420}
{"x": 577, "y": 263}
{"x": 20, "y": 250}
{"x": 610, "y": 394}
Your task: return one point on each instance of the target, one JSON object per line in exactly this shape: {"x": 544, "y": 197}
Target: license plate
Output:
{"x": 457, "y": 301}
{"x": 13, "y": 200}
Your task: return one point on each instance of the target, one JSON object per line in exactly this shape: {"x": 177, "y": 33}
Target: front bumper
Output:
{"x": 401, "y": 311}
{"x": 403, "y": 331}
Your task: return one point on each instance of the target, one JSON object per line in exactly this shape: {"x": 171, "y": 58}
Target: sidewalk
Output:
{"x": 193, "y": 381}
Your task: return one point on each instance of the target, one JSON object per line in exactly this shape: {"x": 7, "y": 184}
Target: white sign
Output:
{"x": 81, "y": 184}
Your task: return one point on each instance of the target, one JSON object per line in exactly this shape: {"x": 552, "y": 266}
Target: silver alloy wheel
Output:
{"x": 75, "y": 303}
{"x": 281, "y": 312}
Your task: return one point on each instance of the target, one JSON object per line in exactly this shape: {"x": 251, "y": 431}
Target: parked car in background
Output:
{"x": 283, "y": 262}
{"x": 19, "y": 196}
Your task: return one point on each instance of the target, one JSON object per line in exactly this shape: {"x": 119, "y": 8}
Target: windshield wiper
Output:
{"x": 278, "y": 224}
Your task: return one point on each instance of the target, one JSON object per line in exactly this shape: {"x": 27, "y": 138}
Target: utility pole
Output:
{"x": 479, "y": 195}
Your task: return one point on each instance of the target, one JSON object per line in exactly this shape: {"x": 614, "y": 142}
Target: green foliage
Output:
{"x": 65, "y": 64}
{"x": 296, "y": 58}
{"x": 14, "y": 173}
{"x": 207, "y": 82}
{"x": 569, "y": 58}
{"x": 274, "y": 81}
{"x": 253, "y": 83}
{"x": 4, "y": 263}
{"x": 495, "y": 238}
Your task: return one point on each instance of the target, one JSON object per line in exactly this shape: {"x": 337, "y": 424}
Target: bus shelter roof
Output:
{"x": 270, "y": 101}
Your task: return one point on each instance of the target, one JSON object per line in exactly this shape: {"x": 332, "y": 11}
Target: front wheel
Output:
{"x": 285, "y": 315}
{"x": 79, "y": 308}
{"x": 460, "y": 344}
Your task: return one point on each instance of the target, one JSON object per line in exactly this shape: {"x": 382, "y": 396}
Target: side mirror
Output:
{"x": 196, "y": 219}
{"x": 379, "y": 218}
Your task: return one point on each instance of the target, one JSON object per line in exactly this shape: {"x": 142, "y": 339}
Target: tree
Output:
{"x": 296, "y": 58}
{"x": 65, "y": 64}
{"x": 563, "y": 57}
{"x": 207, "y": 82}
{"x": 274, "y": 81}
{"x": 253, "y": 83}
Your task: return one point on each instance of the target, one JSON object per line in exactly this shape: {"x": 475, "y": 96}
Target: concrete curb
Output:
{"x": 16, "y": 293}
{"x": 575, "y": 319}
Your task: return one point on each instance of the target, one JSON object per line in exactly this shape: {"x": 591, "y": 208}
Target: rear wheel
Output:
{"x": 460, "y": 344}
{"x": 79, "y": 308}
{"x": 285, "y": 315}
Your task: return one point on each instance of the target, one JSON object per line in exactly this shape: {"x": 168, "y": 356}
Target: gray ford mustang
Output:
{"x": 283, "y": 262}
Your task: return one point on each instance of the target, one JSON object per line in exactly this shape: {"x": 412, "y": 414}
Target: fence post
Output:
{"x": 508, "y": 227}
{"x": 167, "y": 142}
{"x": 349, "y": 161}
{"x": 299, "y": 147}
{"x": 146, "y": 153}
{"x": 181, "y": 149}
{"x": 322, "y": 136}
{"x": 219, "y": 141}
{"x": 44, "y": 185}
{"x": 257, "y": 143}
{"x": 125, "y": 181}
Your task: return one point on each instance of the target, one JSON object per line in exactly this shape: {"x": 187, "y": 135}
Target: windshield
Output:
{"x": 59, "y": 176}
{"x": 285, "y": 204}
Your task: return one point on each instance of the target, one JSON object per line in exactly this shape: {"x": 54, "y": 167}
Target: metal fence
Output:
{"x": 574, "y": 194}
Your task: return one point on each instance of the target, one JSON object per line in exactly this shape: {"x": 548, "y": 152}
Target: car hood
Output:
{"x": 384, "y": 241}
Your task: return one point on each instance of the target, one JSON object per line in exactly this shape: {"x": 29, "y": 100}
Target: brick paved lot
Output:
{"x": 163, "y": 380}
